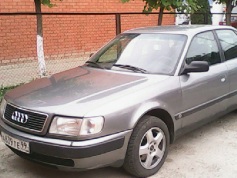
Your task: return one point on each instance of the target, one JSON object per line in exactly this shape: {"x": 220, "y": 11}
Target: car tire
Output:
{"x": 147, "y": 148}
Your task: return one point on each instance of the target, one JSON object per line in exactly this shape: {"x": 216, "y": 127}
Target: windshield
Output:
{"x": 153, "y": 53}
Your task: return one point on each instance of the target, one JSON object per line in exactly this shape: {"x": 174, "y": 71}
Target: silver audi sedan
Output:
{"x": 129, "y": 101}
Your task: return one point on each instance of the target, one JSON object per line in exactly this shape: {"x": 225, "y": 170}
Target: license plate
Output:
{"x": 15, "y": 143}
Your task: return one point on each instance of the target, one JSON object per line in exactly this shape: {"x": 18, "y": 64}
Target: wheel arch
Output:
{"x": 165, "y": 117}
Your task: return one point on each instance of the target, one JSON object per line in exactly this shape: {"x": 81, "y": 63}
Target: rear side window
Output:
{"x": 204, "y": 48}
{"x": 228, "y": 40}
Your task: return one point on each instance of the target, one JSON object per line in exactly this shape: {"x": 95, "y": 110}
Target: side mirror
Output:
{"x": 196, "y": 66}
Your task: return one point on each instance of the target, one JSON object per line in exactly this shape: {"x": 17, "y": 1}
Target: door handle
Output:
{"x": 223, "y": 79}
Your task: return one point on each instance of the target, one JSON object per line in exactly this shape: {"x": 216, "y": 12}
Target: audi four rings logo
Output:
{"x": 19, "y": 117}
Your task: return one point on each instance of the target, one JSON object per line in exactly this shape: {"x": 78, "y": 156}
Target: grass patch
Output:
{"x": 3, "y": 90}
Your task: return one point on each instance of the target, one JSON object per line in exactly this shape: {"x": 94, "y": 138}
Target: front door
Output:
{"x": 203, "y": 93}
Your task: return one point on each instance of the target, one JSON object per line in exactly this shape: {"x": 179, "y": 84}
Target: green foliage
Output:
{"x": 232, "y": 2}
{"x": 48, "y": 3}
{"x": 169, "y": 5}
{"x": 3, "y": 90}
{"x": 200, "y": 18}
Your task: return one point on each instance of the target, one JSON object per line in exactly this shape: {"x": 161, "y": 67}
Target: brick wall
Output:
{"x": 65, "y": 36}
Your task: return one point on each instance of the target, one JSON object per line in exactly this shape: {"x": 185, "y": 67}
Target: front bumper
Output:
{"x": 63, "y": 154}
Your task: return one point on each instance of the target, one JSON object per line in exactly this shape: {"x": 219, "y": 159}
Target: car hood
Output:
{"x": 75, "y": 90}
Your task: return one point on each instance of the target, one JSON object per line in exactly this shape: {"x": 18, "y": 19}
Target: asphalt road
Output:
{"x": 208, "y": 152}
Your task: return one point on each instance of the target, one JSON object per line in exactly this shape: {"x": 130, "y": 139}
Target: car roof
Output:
{"x": 178, "y": 29}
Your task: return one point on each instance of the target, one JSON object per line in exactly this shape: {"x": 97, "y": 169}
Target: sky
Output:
{"x": 210, "y": 2}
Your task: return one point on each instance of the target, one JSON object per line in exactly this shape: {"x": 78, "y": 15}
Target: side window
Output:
{"x": 204, "y": 48}
{"x": 228, "y": 40}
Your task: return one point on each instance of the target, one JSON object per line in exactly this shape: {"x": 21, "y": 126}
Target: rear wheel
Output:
{"x": 147, "y": 148}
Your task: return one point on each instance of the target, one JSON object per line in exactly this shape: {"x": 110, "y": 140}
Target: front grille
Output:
{"x": 17, "y": 117}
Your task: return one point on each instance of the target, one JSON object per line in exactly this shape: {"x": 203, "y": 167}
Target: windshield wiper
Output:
{"x": 95, "y": 64}
{"x": 129, "y": 67}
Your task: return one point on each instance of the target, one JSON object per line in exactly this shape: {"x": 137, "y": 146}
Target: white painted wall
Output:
{"x": 217, "y": 8}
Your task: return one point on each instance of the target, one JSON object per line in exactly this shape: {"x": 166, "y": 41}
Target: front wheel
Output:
{"x": 147, "y": 148}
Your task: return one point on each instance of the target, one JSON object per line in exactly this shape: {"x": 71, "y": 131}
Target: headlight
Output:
{"x": 91, "y": 125}
{"x": 76, "y": 127}
{"x": 65, "y": 126}
{"x": 3, "y": 106}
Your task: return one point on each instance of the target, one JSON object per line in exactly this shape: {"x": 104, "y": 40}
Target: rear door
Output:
{"x": 203, "y": 93}
{"x": 228, "y": 41}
